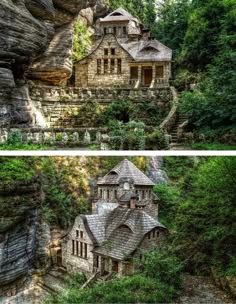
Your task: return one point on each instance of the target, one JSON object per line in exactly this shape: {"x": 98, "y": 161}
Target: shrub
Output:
{"x": 129, "y": 136}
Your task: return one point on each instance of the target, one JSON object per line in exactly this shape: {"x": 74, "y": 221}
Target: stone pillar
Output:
{"x": 140, "y": 75}
{"x": 153, "y": 76}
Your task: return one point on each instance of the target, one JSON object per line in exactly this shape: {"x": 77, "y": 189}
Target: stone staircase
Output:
{"x": 181, "y": 118}
{"x": 104, "y": 278}
{"x": 53, "y": 281}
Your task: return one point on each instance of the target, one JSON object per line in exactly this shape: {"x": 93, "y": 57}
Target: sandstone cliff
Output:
{"x": 35, "y": 38}
{"x": 19, "y": 222}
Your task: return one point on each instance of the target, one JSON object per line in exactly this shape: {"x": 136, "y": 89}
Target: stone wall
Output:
{"x": 60, "y": 107}
{"x": 73, "y": 262}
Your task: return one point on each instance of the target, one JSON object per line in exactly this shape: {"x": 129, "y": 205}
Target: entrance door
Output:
{"x": 59, "y": 258}
{"x": 115, "y": 266}
{"x": 147, "y": 76}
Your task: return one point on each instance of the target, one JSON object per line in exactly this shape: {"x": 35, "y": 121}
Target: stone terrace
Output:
{"x": 57, "y": 103}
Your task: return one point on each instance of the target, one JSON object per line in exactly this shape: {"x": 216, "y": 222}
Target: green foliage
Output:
{"x": 208, "y": 22}
{"x": 213, "y": 146}
{"x": 58, "y": 198}
{"x": 16, "y": 169}
{"x": 155, "y": 140}
{"x": 169, "y": 199}
{"x": 172, "y": 23}
{"x": 24, "y": 147}
{"x": 231, "y": 269}
{"x": 163, "y": 266}
{"x": 81, "y": 41}
{"x": 130, "y": 136}
{"x": 213, "y": 104}
{"x": 156, "y": 283}
{"x": 125, "y": 110}
{"x": 205, "y": 220}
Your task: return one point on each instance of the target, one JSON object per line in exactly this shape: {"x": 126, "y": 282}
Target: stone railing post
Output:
{"x": 87, "y": 138}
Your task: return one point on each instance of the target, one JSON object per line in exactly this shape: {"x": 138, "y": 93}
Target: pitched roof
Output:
{"x": 147, "y": 50}
{"x": 119, "y": 14}
{"x": 125, "y": 169}
{"x": 123, "y": 232}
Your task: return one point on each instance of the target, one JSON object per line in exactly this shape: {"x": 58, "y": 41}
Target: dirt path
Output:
{"x": 201, "y": 290}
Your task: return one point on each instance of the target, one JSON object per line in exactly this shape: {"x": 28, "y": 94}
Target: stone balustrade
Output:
{"x": 58, "y": 136}
{"x": 103, "y": 95}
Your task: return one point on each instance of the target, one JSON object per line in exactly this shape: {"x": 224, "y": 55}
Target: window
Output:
{"x": 97, "y": 261}
{"x": 134, "y": 72}
{"x": 105, "y": 30}
{"x": 77, "y": 248}
{"x": 81, "y": 249}
{"x": 81, "y": 234}
{"x": 105, "y": 66}
{"x": 77, "y": 233}
{"x": 143, "y": 194}
{"x": 106, "y": 51}
{"x": 115, "y": 193}
{"x": 113, "y": 51}
{"x": 157, "y": 233}
{"x": 85, "y": 250}
{"x": 153, "y": 233}
{"x": 124, "y": 30}
{"x": 99, "y": 66}
{"x": 73, "y": 247}
{"x": 149, "y": 235}
{"x": 112, "y": 68}
{"x": 160, "y": 71}
{"x": 108, "y": 194}
{"x": 126, "y": 186}
{"x": 119, "y": 64}
{"x": 100, "y": 193}
{"x": 114, "y": 30}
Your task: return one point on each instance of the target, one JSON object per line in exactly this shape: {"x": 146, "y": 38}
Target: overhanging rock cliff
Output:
{"x": 35, "y": 34}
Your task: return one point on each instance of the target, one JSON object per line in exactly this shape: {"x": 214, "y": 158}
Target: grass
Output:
{"x": 27, "y": 147}
{"x": 210, "y": 146}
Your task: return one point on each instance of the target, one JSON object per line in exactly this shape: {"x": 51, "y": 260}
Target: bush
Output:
{"x": 130, "y": 136}
{"x": 169, "y": 197}
{"x": 16, "y": 169}
{"x": 162, "y": 265}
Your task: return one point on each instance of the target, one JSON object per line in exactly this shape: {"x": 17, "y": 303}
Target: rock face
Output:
{"x": 155, "y": 172}
{"x": 19, "y": 223}
{"x": 54, "y": 67}
{"x": 36, "y": 34}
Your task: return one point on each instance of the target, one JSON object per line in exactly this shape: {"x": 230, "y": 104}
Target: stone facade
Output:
{"x": 123, "y": 224}
{"x": 124, "y": 56}
{"x": 77, "y": 257}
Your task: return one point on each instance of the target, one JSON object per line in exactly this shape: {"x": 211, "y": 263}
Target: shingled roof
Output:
{"x": 119, "y": 14}
{"x": 127, "y": 170}
{"x": 147, "y": 50}
{"x": 119, "y": 233}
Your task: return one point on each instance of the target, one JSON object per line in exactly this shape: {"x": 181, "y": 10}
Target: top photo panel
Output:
{"x": 117, "y": 75}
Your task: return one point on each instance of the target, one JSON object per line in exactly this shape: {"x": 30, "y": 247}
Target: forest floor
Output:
{"x": 201, "y": 290}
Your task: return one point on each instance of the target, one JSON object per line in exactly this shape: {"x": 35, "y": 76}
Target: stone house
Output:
{"x": 124, "y": 55}
{"x": 123, "y": 222}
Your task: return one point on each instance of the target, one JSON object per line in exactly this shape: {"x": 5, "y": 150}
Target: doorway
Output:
{"x": 147, "y": 76}
{"x": 115, "y": 266}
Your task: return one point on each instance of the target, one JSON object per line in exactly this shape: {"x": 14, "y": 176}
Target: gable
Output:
{"x": 149, "y": 48}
